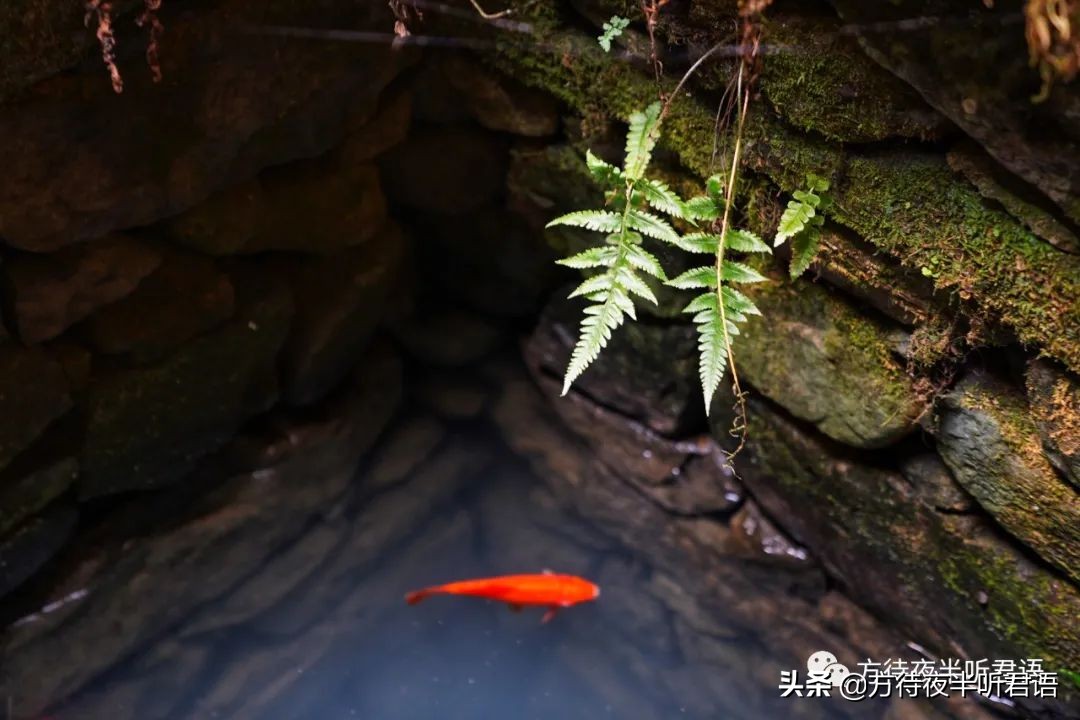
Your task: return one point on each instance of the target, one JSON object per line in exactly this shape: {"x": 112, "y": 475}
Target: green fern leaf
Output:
{"x": 701, "y": 302}
{"x": 803, "y": 249}
{"x": 593, "y": 257}
{"x": 660, "y": 197}
{"x": 627, "y": 279}
{"x": 702, "y": 208}
{"x": 596, "y": 328}
{"x": 597, "y": 284}
{"x": 745, "y": 241}
{"x": 712, "y": 344}
{"x": 640, "y": 141}
{"x": 816, "y": 183}
{"x": 702, "y": 243}
{"x": 599, "y": 220}
{"x": 795, "y": 217}
{"x": 700, "y": 277}
{"x": 737, "y": 272}
{"x": 645, "y": 261}
{"x": 603, "y": 172}
{"x": 714, "y": 188}
{"x": 807, "y": 197}
{"x": 739, "y": 303}
{"x": 652, "y": 226}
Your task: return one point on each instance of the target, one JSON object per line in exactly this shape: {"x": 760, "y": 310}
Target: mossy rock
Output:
{"x": 148, "y": 427}
{"x": 906, "y": 202}
{"x": 977, "y": 73}
{"x": 826, "y": 363}
{"x": 949, "y": 579}
{"x": 1054, "y": 396}
{"x": 815, "y": 75}
{"x": 989, "y": 440}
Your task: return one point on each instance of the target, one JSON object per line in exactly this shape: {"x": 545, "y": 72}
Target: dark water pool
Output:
{"x": 318, "y": 628}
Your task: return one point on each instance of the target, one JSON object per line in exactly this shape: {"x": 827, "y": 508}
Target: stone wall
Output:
{"x": 206, "y": 310}
{"x": 901, "y": 393}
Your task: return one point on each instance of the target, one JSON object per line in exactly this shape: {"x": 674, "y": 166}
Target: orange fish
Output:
{"x": 548, "y": 589}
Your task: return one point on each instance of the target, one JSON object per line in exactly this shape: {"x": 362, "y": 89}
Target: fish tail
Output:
{"x": 417, "y": 595}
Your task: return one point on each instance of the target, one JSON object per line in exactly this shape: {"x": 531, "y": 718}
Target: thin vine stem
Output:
{"x": 729, "y": 201}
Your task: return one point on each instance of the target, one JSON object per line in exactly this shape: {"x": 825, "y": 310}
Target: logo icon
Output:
{"x": 823, "y": 666}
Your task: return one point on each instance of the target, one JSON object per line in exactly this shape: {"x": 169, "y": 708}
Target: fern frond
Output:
{"x": 652, "y": 226}
{"x": 712, "y": 343}
{"x": 645, "y": 261}
{"x": 603, "y": 172}
{"x": 807, "y": 197}
{"x": 737, "y": 272}
{"x": 745, "y": 241}
{"x": 627, "y": 279}
{"x": 640, "y": 141}
{"x": 660, "y": 197}
{"x": 803, "y": 249}
{"x": 597, "y": 284}
{"x": 702, "y": 243}
{"x": 596, "y": 328}
{"x": 599, "y": 220}
{"x": 700, "y": 277}
{"x": 793, "y": 221}
{"x": 714, "y": 188}
{"x": 736, "y": 302}
{"x": 603, "y": 256}
{"x": 701, "y": 208}
{"x": 816, "y": 183}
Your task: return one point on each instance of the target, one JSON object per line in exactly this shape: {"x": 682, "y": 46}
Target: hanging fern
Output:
{"x": 622, "y": 259}
{"x": 802, "y": 222}
{"x": 718, "y": 311}
{"x": 621, "y": 262}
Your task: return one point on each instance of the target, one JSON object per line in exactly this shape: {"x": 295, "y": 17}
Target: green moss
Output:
{"x": 826, "y": 363}
{"x": 1020, "y": 606}
{"x": 823, "y": 83}
{"x": 990, "y": 442}
{"x": 906, "y": 202}
{"x": 952, "y": 578}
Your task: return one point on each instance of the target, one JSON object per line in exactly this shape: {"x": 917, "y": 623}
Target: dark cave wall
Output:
{"x": 203, "y": 308}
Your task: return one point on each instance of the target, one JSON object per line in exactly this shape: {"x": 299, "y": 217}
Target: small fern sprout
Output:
{"x": 721, "y": 308}
{"x": 802, "y": 221}
{"x": 621, "y": 260}
{"x": 613, "y": 28}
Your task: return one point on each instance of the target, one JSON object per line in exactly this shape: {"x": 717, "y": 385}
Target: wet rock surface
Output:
{"x": 824, "y": 363}
{"x": 1054, "y": 396}
{"x": 994, "y": 451}
{"x": 227, "y": 536}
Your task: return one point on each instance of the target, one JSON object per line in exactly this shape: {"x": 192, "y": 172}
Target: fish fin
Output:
{"x": 416, "y": 596}
{"x": 515, "y": 607}
{"x": 549, "y": 615}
